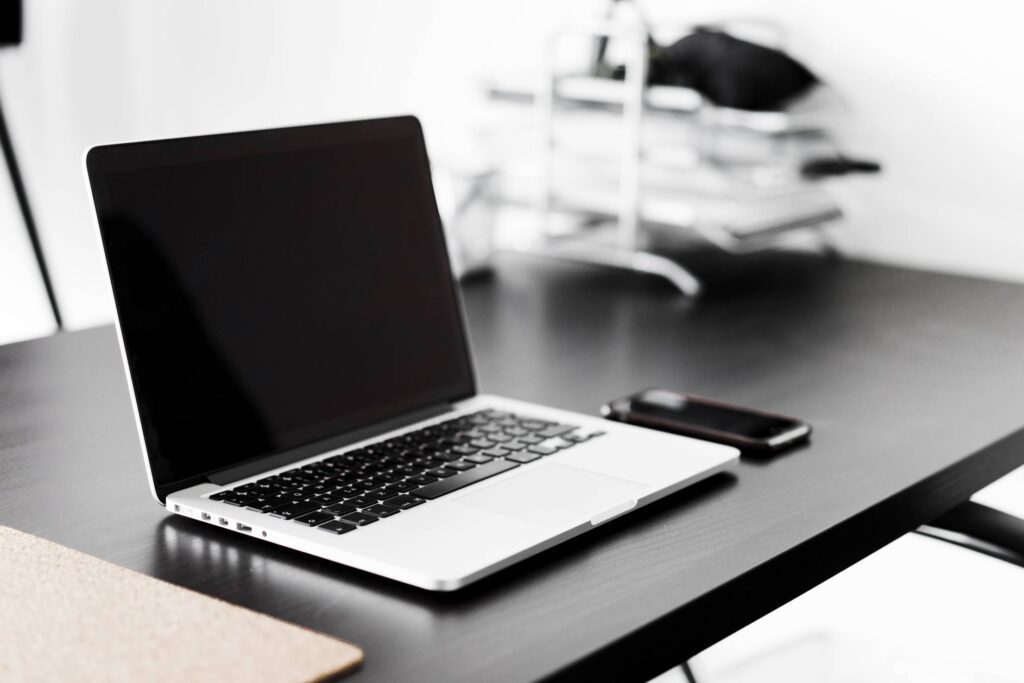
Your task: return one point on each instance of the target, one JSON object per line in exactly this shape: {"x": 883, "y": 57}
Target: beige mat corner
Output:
{"x": 67, "y": 616}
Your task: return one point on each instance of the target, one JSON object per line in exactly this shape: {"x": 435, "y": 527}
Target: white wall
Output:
{"x": 933, "y": 89}
{"x": 111, "y": 70}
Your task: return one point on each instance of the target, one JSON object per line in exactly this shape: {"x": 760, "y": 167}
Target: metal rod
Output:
{"x": 635, "y": 85}
{"x": 26, "y": 213}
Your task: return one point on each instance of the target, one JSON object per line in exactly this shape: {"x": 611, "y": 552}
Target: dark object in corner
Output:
{"x": 729, "y": 71}
{"x": 10, "y": 22}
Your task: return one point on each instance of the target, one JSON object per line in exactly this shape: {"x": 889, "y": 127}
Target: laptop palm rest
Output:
{"x": 557, "y": 496}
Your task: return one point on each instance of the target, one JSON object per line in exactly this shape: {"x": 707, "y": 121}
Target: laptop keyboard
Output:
{"x": 343, "y": 492}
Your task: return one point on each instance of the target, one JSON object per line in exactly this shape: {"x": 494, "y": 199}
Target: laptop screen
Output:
{"x": 277, "y": 288}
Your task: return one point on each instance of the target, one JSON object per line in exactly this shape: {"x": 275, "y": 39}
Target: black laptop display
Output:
{"x": 250, "y": 272}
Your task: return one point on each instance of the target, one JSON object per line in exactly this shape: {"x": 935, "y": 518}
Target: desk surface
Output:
{"x": 907, "y": 377}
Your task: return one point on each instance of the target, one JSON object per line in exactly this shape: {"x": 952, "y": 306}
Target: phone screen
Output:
{"x": 674, "y": 408}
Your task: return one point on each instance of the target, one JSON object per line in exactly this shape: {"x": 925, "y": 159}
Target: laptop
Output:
{"x": 299, "y": 368}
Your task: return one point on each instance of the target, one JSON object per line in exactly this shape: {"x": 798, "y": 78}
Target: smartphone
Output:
{"x": 749, "y": 430}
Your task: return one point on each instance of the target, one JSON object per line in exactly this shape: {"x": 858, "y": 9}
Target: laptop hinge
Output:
{"x": 269, "y": 462}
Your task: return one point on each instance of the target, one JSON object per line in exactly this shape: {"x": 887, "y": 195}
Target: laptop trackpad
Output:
{"x": 555, "y": 496}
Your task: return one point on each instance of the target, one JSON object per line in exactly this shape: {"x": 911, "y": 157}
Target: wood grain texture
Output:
{"x": 908, "y": 377}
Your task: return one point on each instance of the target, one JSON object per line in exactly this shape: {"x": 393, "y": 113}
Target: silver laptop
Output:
{"x": 300, "y": 371}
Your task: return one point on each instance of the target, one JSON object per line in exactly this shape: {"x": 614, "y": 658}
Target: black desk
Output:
{"x": 908, "y": 378}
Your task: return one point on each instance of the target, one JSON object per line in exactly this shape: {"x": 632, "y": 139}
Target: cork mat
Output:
{"x": 66, "y": 616}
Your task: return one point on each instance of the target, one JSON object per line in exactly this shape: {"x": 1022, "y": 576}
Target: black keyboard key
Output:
{"x": 221, "y": 495}
{"x": 555, "y": 430}
{"x": 524, "y": 457}
{"x": 386, "y": 492}
{"x": 446, "y": 456}
{"x": 314, "y": 518}
{"x": 533, "y": 425}
{"x": 496, "y": 452}
{"x": 337, "y": 527}
{"x": 481, "y": 443}
{"x": 513, "y": 445}
{"x": 339, "y": 509}
{"x": 405, "y": 502}
{"x": 270, "y": 504}
{"x": 329, "y": 498}
{"x": 516, "y": 431}
{"x": 241, "y": 500}
{"x": 422, "y": 479}
{"x": 542, "y": 450}
{"x": 363, "y": 501}
{"x": 360, "y": 518}
{"x": 275, "y": 490}
{"x": 460, "y": 466}
{"x": 531, "y": 440}
{"x": 402, "y": 486}
{"x": 478, "y": 459}
{"x": 463, "y": 449}
{"x": 383, "y": 510}
{"x": 463, "y": 479}
{"x": 499, "y": 438}
{"x": 293, "y": 510}
{"x": 442, "y": 472}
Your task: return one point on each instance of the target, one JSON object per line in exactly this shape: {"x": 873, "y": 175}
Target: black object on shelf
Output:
{"x": 825, "y": 167}
{"x": 10, "y": 34}
{"x": 729, "y": 71}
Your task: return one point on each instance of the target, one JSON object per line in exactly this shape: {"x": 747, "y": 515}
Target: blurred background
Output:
{"x": 928, "y": 89}
{"x": 539, "y": 141}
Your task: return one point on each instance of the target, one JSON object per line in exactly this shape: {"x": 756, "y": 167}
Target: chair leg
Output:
{"x": 7, "y": 147}
{"x": 981, "y": 529}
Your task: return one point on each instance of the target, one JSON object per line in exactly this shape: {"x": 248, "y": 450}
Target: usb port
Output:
{"x": 243, "y": 527}
{"x": 222, "y": 521}
{"x": 206, "y": 516}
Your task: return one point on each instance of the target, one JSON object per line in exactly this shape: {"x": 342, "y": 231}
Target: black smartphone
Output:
{"x": 747, "y": 429}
